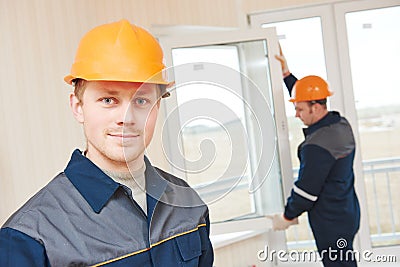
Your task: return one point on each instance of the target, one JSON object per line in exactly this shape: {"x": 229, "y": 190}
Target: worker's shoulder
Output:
{"x": 171, "y": 178}
{"x": 32, "y": 209}
{"x": 337, "y": 138}
{"x": 333, "y": 133}
{"x": 188, "y": 196}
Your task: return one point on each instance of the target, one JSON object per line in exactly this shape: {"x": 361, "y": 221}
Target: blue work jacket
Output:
{"x": 325, "y": 184}
{"x": 84, "y": 218}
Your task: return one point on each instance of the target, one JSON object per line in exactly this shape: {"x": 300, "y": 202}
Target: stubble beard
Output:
{"x": 117, "y": 155}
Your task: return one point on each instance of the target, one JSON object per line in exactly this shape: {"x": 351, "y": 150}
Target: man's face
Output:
{"x": 118, "y": 120}
{"x": 305, "y": 112}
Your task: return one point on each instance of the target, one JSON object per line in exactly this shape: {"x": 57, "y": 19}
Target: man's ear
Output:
{"x": 76, "y": 108}
{"x": 316, "y": 107}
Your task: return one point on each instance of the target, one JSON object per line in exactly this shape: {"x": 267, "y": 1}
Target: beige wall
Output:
{"x": 38, "y": 41}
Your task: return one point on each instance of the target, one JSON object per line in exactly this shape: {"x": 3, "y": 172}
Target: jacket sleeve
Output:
{"x": 316, "y": 163}
{"x": 20, "y": 250}
{"x": 290, "y": 80}
{"x": 207, "y": 256}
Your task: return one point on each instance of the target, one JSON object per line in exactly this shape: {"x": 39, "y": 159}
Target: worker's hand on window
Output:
{"x": 281, "y": 58}
{"x": 279, "y": 222}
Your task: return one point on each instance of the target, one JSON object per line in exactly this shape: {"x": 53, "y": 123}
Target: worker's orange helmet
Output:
{"x": 119, "y": 51}
{"x": 310, "y": 88}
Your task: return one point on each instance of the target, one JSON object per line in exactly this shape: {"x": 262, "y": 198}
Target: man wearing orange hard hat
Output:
{"x": 110, "y": 206}
{"x": 325, "y": 184}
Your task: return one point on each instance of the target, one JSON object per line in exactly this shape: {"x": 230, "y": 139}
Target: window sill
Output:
{"x": 227, "y": 233}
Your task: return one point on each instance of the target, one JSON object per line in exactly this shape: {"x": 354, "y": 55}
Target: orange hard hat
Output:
{"x": 310, "y": 88}
{"x": 119, "y": 51}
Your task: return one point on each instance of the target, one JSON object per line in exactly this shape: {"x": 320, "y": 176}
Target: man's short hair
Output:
{"x": 322, "y": 102}
{"x": 79, "y": 88}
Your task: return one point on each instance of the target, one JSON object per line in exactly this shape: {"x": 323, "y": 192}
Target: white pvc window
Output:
{"x": 223, "y": 111}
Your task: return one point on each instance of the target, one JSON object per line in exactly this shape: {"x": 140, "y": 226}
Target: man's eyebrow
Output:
{"x": 141, "y": 93}
{"x": 144, "y": 91}
{"x": 109, "y": 91}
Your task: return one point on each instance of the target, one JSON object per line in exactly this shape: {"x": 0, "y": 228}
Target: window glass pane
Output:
{"x": 209, "y": 132}
{"x": 374, "y": 42}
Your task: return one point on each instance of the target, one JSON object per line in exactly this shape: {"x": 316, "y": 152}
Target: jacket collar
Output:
{"x": 92, "y": 183}
{"x": 97, "y": 188}
{"x": 328, "y": 119}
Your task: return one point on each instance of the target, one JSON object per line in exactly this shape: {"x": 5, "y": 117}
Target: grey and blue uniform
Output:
{"x": 84, "y": 218}
{"x": 325, "y": 186}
